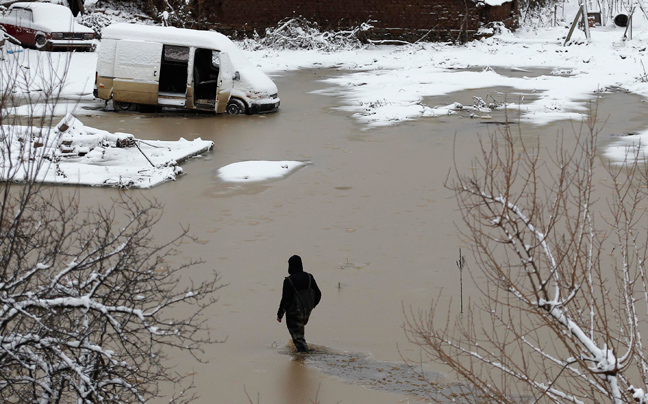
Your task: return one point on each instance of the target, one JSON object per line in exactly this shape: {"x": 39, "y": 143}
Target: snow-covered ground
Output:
{"x": 386, "y": 84}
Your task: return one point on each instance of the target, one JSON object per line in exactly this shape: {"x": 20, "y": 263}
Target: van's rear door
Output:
{"x": 225, "y": 82}
{"x": 137, "y": 71}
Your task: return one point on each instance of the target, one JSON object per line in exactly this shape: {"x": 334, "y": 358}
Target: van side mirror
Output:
{"x": 237, "y": 76}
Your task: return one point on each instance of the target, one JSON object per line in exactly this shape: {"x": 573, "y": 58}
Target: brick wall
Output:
{"x": 392, "y": 19}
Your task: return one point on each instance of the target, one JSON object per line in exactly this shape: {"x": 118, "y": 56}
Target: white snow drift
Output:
{"x": 253, "y": 171}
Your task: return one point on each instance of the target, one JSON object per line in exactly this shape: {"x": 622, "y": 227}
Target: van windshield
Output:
{"x": 216, "y": 59}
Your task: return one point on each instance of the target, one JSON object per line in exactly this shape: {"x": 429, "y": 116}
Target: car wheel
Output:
{"x": 235, "y": 107}
{"x": 40, "y": 42}
{"x": 124, "y": 106}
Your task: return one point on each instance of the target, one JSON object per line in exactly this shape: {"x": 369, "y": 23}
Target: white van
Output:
{"x": 143, "y": 65}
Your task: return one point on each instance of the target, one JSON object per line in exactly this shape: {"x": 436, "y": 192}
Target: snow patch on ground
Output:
{"x": 628, "y": 148}
{"x": 254, "y": 171}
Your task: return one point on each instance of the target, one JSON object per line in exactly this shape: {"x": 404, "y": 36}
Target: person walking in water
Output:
{"x": 300, "y": 295}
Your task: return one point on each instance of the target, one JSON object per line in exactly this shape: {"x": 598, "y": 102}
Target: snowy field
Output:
{"x": 385, "y": 84}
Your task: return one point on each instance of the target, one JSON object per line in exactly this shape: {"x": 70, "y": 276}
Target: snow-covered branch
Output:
{"x": 84, "y": 304}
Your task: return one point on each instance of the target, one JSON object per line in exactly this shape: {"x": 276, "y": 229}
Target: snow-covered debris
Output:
{"x": 99, "y": 15}
{"x": 442, "y": 110}
{"x": 299, "y": 33}
{"x": 72, "y": 153}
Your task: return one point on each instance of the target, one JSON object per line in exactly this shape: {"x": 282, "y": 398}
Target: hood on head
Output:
{"x": 295, "y": 265}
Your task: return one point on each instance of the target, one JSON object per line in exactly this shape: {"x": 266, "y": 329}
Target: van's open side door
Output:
{"x": 137, "y": 72}
{"x": 225, "y": 82}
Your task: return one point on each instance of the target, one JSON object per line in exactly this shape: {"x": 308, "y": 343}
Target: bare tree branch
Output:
{"x": 560, "y": 241}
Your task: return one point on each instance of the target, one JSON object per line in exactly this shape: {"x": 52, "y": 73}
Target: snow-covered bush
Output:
{"x": 105, "y": 12}
{"x": 542, "y": 14}
{"x": 299, "y": 33}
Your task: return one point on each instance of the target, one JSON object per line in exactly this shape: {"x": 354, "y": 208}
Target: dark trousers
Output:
{"x": 296, "y": 326}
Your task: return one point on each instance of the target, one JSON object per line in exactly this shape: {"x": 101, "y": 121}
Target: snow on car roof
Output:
{"x": 52, "y": 17}
{"x": 45, "y": 11}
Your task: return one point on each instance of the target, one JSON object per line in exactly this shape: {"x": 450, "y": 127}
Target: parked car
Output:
{"x": 154, "y": 67}
{"x": 4, "y": 38}
{"x": 46, "y": 26}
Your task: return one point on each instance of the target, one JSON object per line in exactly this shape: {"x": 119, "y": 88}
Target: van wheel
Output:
{"x": 235, "y": 107}
{"x": 124, "y": 106}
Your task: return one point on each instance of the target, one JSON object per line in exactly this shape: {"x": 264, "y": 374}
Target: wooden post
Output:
{"x": 582, "y": 16}
{"x": 629, "y": 26}
{"x": 573, "y": 26}
{"x": 585, "y": 20}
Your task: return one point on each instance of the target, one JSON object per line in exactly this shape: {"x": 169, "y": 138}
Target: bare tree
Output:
{"x": 560, "y": 241}
{"x": 89, "y": 300}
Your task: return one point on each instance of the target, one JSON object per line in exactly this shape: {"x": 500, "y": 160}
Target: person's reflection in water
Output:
{"x": 298, "y": 384}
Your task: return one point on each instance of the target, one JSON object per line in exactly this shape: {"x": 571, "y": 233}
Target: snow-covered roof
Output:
{"x": 51, "y": 17}
{"x": 169, "y": 35}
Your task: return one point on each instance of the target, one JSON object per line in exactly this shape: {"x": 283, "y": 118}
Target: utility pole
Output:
{"x": 460, "y": 264}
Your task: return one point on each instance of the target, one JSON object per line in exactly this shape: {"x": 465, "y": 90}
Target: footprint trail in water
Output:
{"x": 359, "y": 368}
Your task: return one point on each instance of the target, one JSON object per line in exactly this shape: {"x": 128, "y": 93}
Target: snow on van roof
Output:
{"x": 169, "y": 35}
{"x": 251, "y": 77}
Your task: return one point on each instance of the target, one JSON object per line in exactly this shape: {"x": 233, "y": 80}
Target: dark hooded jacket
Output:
{"x": 300, "y": 279}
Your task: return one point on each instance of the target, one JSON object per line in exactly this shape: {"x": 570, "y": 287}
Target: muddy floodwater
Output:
{"x": 369, "y": 216}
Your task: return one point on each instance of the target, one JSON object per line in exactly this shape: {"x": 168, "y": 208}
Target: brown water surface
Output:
{"x": 369, "y": 215}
